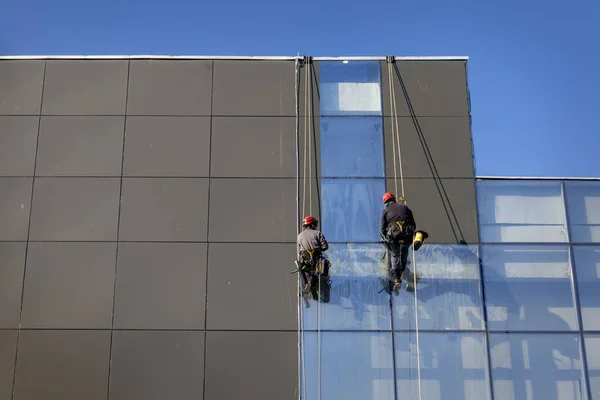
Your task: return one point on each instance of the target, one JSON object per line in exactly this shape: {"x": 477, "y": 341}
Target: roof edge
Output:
{"x": 266, "y": 58}
{"x": 537, "y": 178}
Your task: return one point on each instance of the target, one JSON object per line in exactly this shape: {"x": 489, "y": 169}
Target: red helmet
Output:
{"x": 308, "y": 220}
{"x": 387, "y": 196}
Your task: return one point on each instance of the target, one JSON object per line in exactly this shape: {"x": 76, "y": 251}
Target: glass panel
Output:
{"x": 583, "y": 201}
{"x": 592, "y": 350}
{"x": 352, "y": 365}
{"x": 356, "y": 298}
{"x": 352, "y": 147}
{"x": 350, "y": 88}
{"x": 537, "y": 366}
{"x": 448, "y": 290}
{"x": 521, "y": 211}
{"x": 453, "y": 366}
{"x": 587, "y": 265}
{"x": 351, "y": 209}
{"x": 528, "y": 287}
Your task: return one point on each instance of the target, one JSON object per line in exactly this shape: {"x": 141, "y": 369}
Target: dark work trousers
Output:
{"x": 399, "y": 259}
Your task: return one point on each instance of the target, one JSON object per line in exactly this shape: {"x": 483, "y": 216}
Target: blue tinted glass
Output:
{"x": 352, "y": 365}
{"x": 537, "y": 366}
{"x": 587, "y": 265}
{"x": 351, "y": 209}
{"x": 352, "y": 147}
{"x": 583, "y": 200}
{"x": 448, "y": 290}
{"x": 453, "y": 366}
{"x": 528, "y": 287}
{"x": 351, "y": 88}
{"x": 356, "y": 299}
{"x": 521, "y": 211}
{"x": 592, "y": 349}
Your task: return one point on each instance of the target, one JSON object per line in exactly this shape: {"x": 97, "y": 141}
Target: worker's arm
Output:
{"x": 323, "y": 242}
{"x": 383, "y": 223}
{"x": 411, "y": 218}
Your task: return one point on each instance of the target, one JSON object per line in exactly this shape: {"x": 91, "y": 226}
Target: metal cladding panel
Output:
{"x": 21, "y": 84}
{"x": 429, "y": 147}
{"x": 426, "y": 88}
{"x": 8, "y": 349}
{"x": 15, "y": 202}
{"x": 261, "y": 365}
{"x": 18, "y": 138}
{"x": 79, "y": 87}
{"x": 12, "y": 260}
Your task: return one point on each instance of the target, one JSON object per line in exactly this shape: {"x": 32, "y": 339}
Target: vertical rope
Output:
{"x": 395, "y": 120}
{"x": 417, "y": 320}
{"x": 305, "y": 142}
{"x": 310, "y": 135}
{"x": 393, "y": 134}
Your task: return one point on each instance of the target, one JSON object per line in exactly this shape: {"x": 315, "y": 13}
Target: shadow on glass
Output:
{"x": 583, "y": 203}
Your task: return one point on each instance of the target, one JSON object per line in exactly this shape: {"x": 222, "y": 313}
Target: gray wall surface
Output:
{"x": 148, "y": 220}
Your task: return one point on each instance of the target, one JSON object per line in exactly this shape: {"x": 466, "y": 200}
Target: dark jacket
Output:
{"x": 311, "y": 239}
{"x": 394, "y": 212}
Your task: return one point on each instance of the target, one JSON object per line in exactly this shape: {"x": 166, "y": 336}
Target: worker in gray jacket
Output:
{"x": 311, "y": 245}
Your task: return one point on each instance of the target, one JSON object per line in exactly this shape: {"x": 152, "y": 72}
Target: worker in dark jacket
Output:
{"x": 398, "y": 227}
{"x": 309, "y": 240}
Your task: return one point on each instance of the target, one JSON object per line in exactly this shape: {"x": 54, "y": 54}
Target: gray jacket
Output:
{"x": 311, "y": 239}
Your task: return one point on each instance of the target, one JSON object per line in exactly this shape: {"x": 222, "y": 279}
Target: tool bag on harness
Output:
{"x": 311, "y": 260}
{"x": 400, "y": 232}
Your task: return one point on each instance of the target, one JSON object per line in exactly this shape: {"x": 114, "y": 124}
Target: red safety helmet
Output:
{"x": 387, "y": 196}
{"x": 308, "y": 220}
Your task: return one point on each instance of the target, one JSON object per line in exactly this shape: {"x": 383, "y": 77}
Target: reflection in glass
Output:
{"x": 351, "y": 209}
{"x": 537, "y": 366}
{"x": 352, "y": 147}
{"x": 592, "y": 350}
{"x": 351, "y": 88}
{"x": 448, "y": 291}
{"x": 583, "y": 201}
{"x": 453, "y": 366}
{"x": 587, "y": 265}
{"x": 528, "y": 287}
{"x": 353, "y": 366}
{"x": 521, "y": 211}
{"x": 357, "y": 300}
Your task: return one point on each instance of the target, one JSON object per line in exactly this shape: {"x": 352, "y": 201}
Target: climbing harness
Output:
{"x": 396, "y": 148}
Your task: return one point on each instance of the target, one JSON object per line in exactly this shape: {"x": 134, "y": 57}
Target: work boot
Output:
{"x": 397, "y": 285}
{"x": 307, "y": 288}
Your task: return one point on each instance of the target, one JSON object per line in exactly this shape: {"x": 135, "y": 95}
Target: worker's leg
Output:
{"x": 307, "y": 281}
{"x": 403, "y": 257}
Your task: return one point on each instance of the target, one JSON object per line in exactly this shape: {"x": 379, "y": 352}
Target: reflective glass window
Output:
{"x": 356, "y": 297}
{"x": 592, "y": 350}
{"x": 521, "y": 211}
{"x": 351, "y": 209}
{"x": 453, "y": 366}
{"x": 583, "y": 202}
{"x": 448, "y": 289}
{"x": 587, "y": 265}
{"x": 350, "y": 88}
{"x": 528, "y": 287}
{"x": 352, "y": 365}
{"x": 352, "y": 147}
{"x": 537, "y": 366}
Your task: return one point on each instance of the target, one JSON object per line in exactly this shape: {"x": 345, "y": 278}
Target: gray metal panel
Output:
{"x": 15, "y": 200}
{"x": 18, "y": 138}
{"x": 157, "y": 365}
{"x": 234, "y": 277}
{"x": 21, "y": 87}
{"x": 251, "y": 365}
{"x": 164, "y": 209}
{"x": 83, "y": 87}
{"x": 75, "y": 209}
{"x": 247, "y": 88}
{"x": 12, "y": 262}
{"x": 170, "y": 87}
{"x": 434, "y": 88}
{"x": 252, "y": 210}
{"x": 8, "y": 349}
{"x": 254, "y": 147}
{"x": 69, "y": 286}
{"x": 427, "y": 204}
{"x": 80, "y": 146}
{"x": 446, "y": 140}
{"x": 167, "y": 146}
{"x": 65, "y": 365}
{"x": 160, "y": 286}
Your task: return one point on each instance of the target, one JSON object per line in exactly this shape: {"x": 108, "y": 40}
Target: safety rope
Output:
{"x": 396, "y": 142}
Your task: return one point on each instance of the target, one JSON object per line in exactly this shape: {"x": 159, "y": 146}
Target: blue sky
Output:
{"x": 533, "y": 69}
